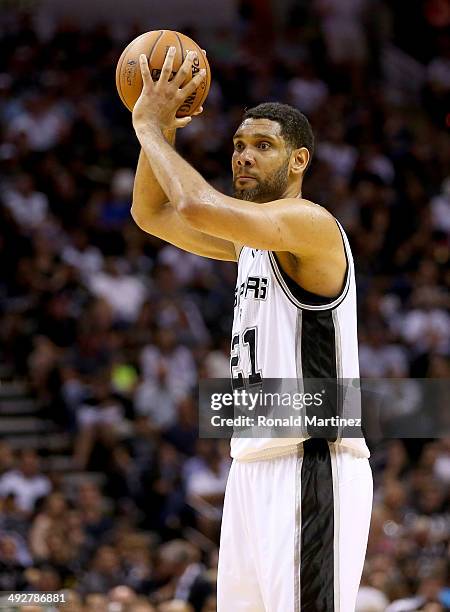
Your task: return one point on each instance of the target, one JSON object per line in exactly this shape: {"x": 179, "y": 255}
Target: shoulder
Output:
{"x": 302, "y": 207}
{"x": 321, "y": 224}
{"x": 320, "y": 241}
{"x": 313, "y": 208}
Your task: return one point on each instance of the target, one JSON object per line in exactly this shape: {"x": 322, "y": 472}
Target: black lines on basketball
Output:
{"x": 161, "y": 32}
{"x": 181, "y": 47}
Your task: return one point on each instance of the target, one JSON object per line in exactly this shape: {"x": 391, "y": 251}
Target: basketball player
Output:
{"x": 296, "y": 512}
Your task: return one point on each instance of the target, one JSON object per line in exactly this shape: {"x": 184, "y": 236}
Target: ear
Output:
{"x": 299, "y": 160}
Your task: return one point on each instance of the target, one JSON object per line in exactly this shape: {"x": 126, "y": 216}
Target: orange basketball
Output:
{"x": 155, "y": 45}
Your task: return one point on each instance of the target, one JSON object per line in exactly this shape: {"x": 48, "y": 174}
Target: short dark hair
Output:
{"x": 295, "y": 127}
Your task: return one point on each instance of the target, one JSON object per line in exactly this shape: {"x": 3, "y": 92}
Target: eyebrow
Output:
{"x": 258, "y": 135}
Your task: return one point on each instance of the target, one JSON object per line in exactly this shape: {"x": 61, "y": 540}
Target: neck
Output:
{"x": 293, "y": 191}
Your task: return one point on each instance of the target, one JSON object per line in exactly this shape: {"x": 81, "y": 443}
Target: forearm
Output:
{"x": 176, "y": 177}
{"x": 148, "y": 195}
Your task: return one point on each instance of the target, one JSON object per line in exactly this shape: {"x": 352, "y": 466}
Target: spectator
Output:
{"x": 344, "y": 29}
{"x": 96, "y": 601}
{"x": 50, "y": 519}
{"x": 43, "y": 122}
{"x": 122, "y": 596}
{"x": 427, "y": 598}
{"x": 44, "y": 578}
{"x": 28, "y": 207}
{"x": 186, "y": 267}
{"x": 135, "y": 551}
{"x": 175, "y": 359}
{"x": 306, "y": 90}
{"x": 426, "y": 325}
{"x": 26, "y": 483}
{"x": 83, "y": 256}
{"x": 371, "y": 600}
{"x": 179, "y": 568}
{"x": 104, "y": 573}
{"x": 206, "y": 489}
{"x": 74, "y": 600}
{"x": 156, "y": 399}
{"x": 11, "y": 566}
{"x": 100, "y": 419}
{"x": 92, "y": 511}
{"x": 124, "y": 292}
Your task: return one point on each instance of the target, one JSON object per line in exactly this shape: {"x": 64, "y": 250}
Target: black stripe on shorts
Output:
{"x": 317, "y": 529}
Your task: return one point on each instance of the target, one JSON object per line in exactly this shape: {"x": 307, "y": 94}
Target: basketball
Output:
{"x": 155, "y": 45}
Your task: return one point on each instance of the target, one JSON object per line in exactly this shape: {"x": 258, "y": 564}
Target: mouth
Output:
{"x": 245, "y": 178}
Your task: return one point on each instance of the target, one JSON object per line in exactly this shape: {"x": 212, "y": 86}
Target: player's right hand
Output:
{"x": 159, "y": 101}
{"x": 169, "y": 133}
{"x": 178, "y": 124}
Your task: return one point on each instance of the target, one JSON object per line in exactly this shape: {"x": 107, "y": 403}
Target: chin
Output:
{"x": 247, "y": 195}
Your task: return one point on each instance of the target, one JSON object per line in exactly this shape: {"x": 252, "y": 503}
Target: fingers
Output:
{"x": 145, "y": 70}
{"x": 185, "y": 69}
{"x": 167, "y": 69}
{"x": 193, "y": 84}
{"x": 182, "y": 122}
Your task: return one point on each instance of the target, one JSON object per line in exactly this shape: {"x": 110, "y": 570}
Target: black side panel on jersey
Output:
{"x": 318, "y": 354}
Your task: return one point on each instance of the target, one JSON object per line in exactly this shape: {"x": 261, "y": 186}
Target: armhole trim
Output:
{"x": 284, "y": 281}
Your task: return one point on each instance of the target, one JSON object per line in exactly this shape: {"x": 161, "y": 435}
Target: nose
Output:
{"x": 245, "y": 159}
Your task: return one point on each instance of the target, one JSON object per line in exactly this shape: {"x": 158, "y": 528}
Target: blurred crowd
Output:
{"x": 111, "y": 328}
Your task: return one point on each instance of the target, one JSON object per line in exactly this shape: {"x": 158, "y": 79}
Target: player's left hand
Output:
{"x": 159, "y": 101}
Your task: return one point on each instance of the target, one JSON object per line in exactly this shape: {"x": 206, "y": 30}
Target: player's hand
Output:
{"x": 159, "y": 101}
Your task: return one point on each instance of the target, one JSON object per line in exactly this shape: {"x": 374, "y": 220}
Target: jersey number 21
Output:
{"x": 247, "y": 340}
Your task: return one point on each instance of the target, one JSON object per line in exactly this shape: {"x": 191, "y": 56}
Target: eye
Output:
{"x": 238, "y": 146}
{"x": 264, "y": 146}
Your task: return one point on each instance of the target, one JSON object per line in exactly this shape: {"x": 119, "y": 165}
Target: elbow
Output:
{"x": 143, "y": 221}
{"x": 136, "y": 216}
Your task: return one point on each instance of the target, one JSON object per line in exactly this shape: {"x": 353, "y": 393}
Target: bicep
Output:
{"x": 171, "y": 227}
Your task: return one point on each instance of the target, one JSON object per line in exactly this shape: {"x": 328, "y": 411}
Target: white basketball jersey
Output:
{"x": 281, "y": 331}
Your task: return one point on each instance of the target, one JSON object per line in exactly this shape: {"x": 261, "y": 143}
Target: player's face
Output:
{"x": 260, "y": 161}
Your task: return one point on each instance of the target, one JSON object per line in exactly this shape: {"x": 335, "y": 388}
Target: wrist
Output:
{"x": 169, "y": 134}
{"x": 149, "y": 128}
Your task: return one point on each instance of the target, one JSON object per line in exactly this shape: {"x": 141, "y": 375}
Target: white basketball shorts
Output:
{"x": 294, "y": 531}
